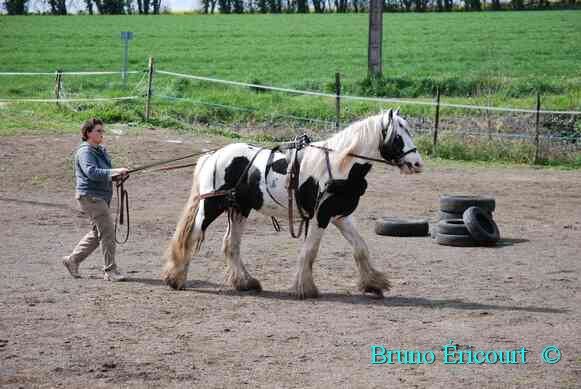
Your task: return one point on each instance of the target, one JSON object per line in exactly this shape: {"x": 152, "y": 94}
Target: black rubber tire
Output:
{"x": 481, "y": 226}
{"x": 460, "y": 203}
{"x": 392, "y": 226}
{"x": 452, "y": 227}
{"x": 456, "y": 240}
{"x": 443, "y": 215}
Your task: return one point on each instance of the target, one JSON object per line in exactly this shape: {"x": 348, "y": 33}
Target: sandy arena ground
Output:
{"x": 56, "y": 331}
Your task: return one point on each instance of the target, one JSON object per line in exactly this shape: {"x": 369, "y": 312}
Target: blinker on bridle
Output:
{"x": 387, "y": 147}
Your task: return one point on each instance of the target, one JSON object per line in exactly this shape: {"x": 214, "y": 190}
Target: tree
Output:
{"x": 319, "y": 6}
{"x": 302, "y": 6}
{"x": 209, "y": 6}
{"x": 225, "y": 6}
{"x": 518, "y": 4}
{"x": 238, "y": 6}
{"x": 472, "y": 5}
{"x": 89, "y": 5}
{"x": 16, "y": 7}
{"x": 110, "y": 7}
{"x": 58, "y": 7}
{"x": 421, "y": 5}
{"x": 407, "y": 4}
{"x": 156, "y": 6}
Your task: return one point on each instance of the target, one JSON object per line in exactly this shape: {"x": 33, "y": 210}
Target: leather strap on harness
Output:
{"x": 293, "y": 176}
{"x": 230, "y": 194}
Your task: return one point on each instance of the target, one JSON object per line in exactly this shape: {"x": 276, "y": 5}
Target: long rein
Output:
{"x": 122, "y": 212}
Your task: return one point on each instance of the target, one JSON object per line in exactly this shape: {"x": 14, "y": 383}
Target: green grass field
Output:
{"x": 300, "y": 50}
{"x": 500, "y": 59}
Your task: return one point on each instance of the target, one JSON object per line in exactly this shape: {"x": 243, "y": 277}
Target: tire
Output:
{"x": 449, "y": 216}
{"x": 460, "y": 203}
{"x": 481, "y": 226}
{"x": 456, "y": 240}
{"x": 452, "y": 227}
{"x": 391, "y": 226}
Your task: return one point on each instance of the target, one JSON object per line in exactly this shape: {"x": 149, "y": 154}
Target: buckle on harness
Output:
{"x": 301, "y": 141}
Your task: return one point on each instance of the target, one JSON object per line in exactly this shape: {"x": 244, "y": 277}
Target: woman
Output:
{"x": 94, "y": 189}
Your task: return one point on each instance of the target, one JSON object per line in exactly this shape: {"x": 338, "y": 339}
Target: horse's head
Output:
{"x": 397, "y": 146}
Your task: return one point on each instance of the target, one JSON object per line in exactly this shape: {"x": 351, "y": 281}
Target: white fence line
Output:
{"x": 67, "y": 73}
{"x": 26, "y": 100}
{"x": 361, "y": 98}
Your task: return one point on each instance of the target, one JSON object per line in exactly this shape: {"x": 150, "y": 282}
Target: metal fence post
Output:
{"x": 338, "y": 101}
{"x": 58, "y": 85}
{"x": 149, "y": 82}
{"x": 537, "y": 158}
{"x": 436, "y": 125}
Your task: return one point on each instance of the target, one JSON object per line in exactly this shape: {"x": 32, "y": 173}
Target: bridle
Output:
{"x": 387, "y": 147}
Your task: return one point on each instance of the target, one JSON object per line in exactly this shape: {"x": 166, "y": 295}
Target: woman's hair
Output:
{"x": 88, "y": 126}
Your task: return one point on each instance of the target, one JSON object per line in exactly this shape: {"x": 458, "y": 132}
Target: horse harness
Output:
{"x": 387, "y": 149}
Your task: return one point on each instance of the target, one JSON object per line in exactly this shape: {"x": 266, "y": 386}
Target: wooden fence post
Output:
{"x": 338, "y": 101}
{"x": 537, "y": 158}
{"x": 58, "y": 85}
{"x": 436, "y": 125}
{"x": 149, "y": 82}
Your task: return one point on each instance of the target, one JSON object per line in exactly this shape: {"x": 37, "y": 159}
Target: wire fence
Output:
{"x": 547, "y": 132}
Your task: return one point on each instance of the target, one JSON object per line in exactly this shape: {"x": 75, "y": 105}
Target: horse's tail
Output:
{"x": 187, "y": 236}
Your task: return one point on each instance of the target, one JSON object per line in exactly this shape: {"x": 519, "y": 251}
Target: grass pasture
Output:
{"x": 499, "y": 59}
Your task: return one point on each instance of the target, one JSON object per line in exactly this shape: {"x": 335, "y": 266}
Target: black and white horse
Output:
{"x": 262, "y": 186}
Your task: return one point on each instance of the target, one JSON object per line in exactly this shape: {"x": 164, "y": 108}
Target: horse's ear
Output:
{"x": 385, "y": 120}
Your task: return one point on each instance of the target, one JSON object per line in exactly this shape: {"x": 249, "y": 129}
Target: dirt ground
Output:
{"x": 56, "y": 331}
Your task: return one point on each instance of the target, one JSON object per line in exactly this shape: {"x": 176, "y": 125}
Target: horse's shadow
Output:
{"x": 207, "y": 287}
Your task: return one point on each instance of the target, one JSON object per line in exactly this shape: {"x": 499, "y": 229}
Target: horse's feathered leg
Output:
{"x": 370, "y": 280}
{"x": 304, "y": 285}
{"x": 236, "y": 273}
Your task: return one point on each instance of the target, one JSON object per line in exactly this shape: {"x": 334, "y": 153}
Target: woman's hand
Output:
{"x": 119, "y": 173}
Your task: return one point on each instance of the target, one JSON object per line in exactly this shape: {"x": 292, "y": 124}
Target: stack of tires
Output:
{"x": 467, "y": 221}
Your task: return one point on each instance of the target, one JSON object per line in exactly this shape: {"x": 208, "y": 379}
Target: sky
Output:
{"x": 74, "y": 5}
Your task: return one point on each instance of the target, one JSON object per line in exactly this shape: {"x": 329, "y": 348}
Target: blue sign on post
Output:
{"x": 126, "y": 36}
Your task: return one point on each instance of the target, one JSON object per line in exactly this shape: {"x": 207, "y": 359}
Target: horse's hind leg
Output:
{"x": 304, "y": 285}
{"x": 236, "y": 273}
{"x": 370, "y": 280}
{"x": 187, "y": 239}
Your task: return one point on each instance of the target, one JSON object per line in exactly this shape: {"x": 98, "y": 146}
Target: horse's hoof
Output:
{"x": 175, "y": 285}
{"x": 374, "y": 293}
{"x": 303, "y": 294}
{"x": 251, "y": 284}
{"x": 174, "y": 282}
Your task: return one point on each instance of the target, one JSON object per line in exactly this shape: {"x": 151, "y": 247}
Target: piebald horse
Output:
{"x": 261, "y": 184}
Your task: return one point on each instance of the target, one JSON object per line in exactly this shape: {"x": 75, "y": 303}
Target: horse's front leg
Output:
{"x": 370, "y": 280}
{"x": 304, "y": 286}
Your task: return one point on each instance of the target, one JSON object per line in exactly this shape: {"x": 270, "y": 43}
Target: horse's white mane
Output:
{"x": 362, "y": 137}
